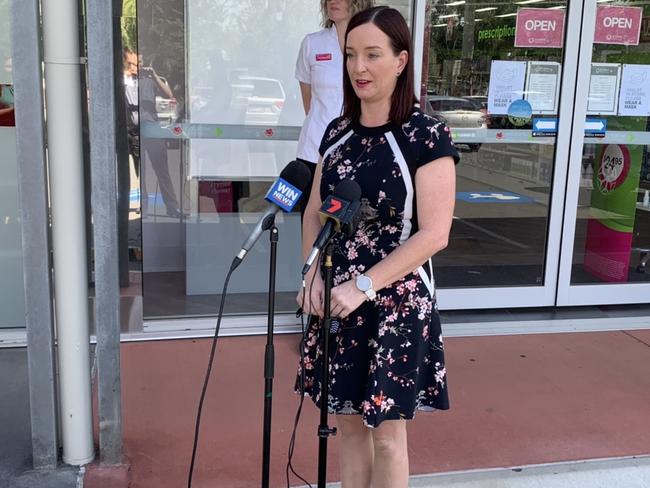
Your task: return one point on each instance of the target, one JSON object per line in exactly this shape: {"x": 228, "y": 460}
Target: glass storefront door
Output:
{"x": 214, "y": 133}
{"x": 606, "y": 247}
{"x": 502, "y": 75}
{"x": 12, "y": 298}
{"x": 513, "y": 79}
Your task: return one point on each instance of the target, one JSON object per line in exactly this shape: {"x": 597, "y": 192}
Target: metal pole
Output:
{"x": 63, "y": 100}
{"x": 32, "y": 181}
{"x": 269, "y": 361}
{"x": 104, "y": 204}
{"x": 324, "y": 430}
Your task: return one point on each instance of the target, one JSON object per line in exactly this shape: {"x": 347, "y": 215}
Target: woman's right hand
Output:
{"x": 314, "y": 299}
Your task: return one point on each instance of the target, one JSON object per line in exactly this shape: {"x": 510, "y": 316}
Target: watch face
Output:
{"x": 364, "y": 283}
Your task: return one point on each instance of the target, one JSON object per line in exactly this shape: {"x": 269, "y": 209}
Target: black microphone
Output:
{"x": 283, "y": 195}
{"x": 339, "y": 213}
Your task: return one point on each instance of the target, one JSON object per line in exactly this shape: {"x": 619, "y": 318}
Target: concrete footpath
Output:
{"x": 609, "y": 473}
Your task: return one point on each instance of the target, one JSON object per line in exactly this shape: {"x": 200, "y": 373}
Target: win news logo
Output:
{"x": 284, "y": 195}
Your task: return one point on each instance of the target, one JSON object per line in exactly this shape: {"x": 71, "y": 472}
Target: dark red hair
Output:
{"x": 391, "y": 23}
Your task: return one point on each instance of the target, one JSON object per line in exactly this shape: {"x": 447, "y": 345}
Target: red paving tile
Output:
{"x": 516, "y": 400}
{"x": 641, "y": 335}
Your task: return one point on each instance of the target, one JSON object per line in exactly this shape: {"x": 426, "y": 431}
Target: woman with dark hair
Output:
{"x": 386, "y": 358}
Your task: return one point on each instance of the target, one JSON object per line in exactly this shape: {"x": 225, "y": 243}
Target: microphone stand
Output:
{"x": 324, "y": 430}
{"x": 269, "y": 360}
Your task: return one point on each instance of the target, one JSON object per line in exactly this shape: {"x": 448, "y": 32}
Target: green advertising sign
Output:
{"x": 616, "y": 178}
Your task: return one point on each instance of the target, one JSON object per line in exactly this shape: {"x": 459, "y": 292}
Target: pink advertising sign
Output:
{"x": 607, "y": 252}
{"x": 539, "y": 27}
{"x": 618, "y": 25}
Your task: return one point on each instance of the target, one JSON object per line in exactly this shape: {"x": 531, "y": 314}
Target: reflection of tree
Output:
{"x": 129, "y": 25}
{"x": 459, "y": 40}
{"x": 230, "y": 39}
{"x": 256, "y": 37}
{"x": 161, "y": 40}
{"x": 242, "y": 27}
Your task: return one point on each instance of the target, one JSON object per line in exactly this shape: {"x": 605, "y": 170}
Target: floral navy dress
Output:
{"x": 386, "y": 357}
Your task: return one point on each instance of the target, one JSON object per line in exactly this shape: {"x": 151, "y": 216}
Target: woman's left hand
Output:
{"x": 346, "y": 298}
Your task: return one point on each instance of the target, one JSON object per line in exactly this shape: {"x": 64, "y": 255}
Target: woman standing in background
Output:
{"x": 319, "y": 69}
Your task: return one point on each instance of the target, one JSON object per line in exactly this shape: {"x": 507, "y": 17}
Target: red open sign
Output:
{"x": 539, "y": 27}
{"x": 618, "y": 25}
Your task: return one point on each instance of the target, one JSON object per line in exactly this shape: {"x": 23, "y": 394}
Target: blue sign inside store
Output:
{"x": 492, "y": 197}
{"x": 595, "y": 127}
{"x": 544, "y": 127}
{"x": 548, "y": 127}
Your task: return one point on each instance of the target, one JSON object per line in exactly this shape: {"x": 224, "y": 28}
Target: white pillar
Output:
{"x": 64, "y": 134}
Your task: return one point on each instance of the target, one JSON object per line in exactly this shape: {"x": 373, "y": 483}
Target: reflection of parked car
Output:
{"x": 480, "y": 101}
{"x": 458, "y": 113}
{"x": 261, "y": 99}
{"x": 166, "y": 109}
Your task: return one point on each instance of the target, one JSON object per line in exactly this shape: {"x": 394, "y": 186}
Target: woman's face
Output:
{"x": 338, "y": 10}
{"x": 371, "y": 64}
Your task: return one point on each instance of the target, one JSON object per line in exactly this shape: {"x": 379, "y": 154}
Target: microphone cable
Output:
{"x": 206, "y": 381}
{"x": 207, "y": 373}
{"x": 292, "y": 442}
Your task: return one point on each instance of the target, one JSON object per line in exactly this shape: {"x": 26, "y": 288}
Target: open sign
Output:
{"x": 539, "y": 27}
{"x": 618, "y": 25}
{"x": 622, "y": 22}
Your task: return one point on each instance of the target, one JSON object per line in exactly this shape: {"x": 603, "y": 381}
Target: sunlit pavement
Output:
{"x": 517, "y": 401}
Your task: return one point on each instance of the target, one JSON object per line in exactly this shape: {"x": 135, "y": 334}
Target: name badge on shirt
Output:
{"x": 324, "y": 57}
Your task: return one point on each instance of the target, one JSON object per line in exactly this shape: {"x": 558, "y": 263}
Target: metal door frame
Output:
{"x": 586, "y": 294}
{"x": 543, "y": 295}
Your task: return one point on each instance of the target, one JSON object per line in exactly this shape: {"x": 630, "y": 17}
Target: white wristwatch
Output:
{"x": 364, "y": 284}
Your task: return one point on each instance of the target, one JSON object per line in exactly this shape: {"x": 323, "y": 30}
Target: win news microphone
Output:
{"x": 339, "y": 213}
{"x": 283, "y": 195}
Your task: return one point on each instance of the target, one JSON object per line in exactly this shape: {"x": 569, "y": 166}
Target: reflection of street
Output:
{"x": 531, "y": 163}
{"x": 523, "y": 169}
{"x": 157, "y": 210}
{"x": 245, "y": 99}
{"x": 144, "y": 90}
{"x": 163, "y": 236}
{"x": 499, "y": 229}
{"x": 239, "y": 159}
{"x": 260, "y": 99}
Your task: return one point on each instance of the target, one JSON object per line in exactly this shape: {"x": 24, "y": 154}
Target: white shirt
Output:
{"x": 131, "y": 93}
{"x": 320, "y": 64}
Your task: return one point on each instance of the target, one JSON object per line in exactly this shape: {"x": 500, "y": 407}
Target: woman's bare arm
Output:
{"x": 435, "y": 190}
{"x": 435, "y": 185}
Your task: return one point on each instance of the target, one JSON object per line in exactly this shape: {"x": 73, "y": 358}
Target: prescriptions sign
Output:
{"x": 539, "y": 27}
{"x": 618, "y": 25}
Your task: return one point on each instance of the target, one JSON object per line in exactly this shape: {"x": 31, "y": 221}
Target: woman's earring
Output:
{"x": 399, "y": 73}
